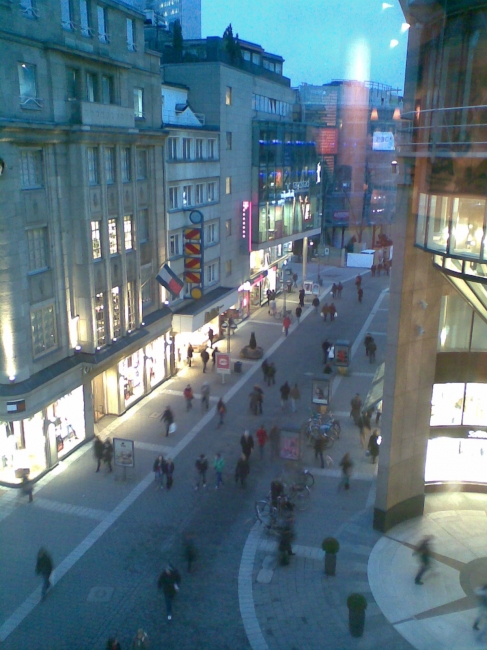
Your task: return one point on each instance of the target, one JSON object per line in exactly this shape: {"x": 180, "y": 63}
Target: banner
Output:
{"x": 169, "y": 280}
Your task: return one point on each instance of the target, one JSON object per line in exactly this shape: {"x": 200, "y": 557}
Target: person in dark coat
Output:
{"x": 271, "y": 374}
{"x": 316, "y": 303}
{"x": 265, "y": 368}
{"x": 319, "y": 448}
{"x": 325, "y": 310}
{"x": 108, "y": 453}
{"x": 247, "y": 444}
{"x": 302, "y": 294}
{"x": 333, "y": 311}
{"x": 254, "y": 401}
{"x": 201, "y": 469}
{"x": 44, "y": 567}
{"x": 360, "y": 294}
{"x": 374, "y": 445}
{"x": 213, "y": 357}
{"x": 260, "y": 398}
{"x": 159, "y": 468}
{"x": 242, "y": 470}
{"x": 423, "y": 551}
{"x": 190, "y": 354}
{"x": 346, "y": 464}
{"x": 325, "y": 346}
{"x": 205, "y": 357}
{"x": 372, "y": 350}
{"x": 339, "y": 290}
{"x": 285, "y": 390}
{"x": 98, "y": 450}
{"x": 190, "y": 552}
{"x": 355, "y": 406}
{"x": 221, "y": 409}
{"x": 169, "y": 583}
{"x": 367, "y": 341}
{"x": 298, "y": 313}
{"x": 168, "y": 418}
{"x": 211, "y": 334}
{"x": 169, "y": 472}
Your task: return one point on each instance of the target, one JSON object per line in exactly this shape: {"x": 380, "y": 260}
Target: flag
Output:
{"x": 169, "y": 280}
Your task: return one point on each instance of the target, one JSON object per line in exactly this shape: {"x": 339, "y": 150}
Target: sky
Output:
{"x": 320, "y": 40}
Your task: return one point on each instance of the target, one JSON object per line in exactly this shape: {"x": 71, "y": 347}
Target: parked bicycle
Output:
{"x": 317, "y": 426}
{"x": 273, "y": 511}
{"x": 304, "y": 477}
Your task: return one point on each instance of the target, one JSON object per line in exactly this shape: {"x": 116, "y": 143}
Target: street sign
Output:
{"x": 223, "y": 363}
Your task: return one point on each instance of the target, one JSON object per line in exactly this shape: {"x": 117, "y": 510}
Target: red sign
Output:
{"x": 223, "y": 363}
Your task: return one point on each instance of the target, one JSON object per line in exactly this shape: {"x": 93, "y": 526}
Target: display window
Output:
{"x": 155, "y": 354}
{"x": 456, "y": 459}
{"x": 131, "y": 376}
{"x": 67, "y": 416}
{"x": 22, "y": 447}
{"x": 458, "y": 404}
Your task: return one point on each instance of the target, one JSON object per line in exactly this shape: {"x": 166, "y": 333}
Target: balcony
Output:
{"x": 94, "y": 114}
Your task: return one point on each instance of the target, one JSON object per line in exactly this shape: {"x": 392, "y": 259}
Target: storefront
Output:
{"x": 131, "y": 377}
{"x": 36, "y": 443}
{"x": 155, "y": 357}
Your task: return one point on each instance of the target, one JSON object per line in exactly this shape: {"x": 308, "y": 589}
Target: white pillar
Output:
{"x": 305, "y": 257}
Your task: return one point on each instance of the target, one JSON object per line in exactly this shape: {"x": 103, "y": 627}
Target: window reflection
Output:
{"x": 438, "y": 223}
{"x": 447, "y": 405}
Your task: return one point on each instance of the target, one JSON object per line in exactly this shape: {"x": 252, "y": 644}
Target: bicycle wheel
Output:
{"x": 307, "y": 478}
{"x": 263, "y": 511}
{"x": 299, "y": 496}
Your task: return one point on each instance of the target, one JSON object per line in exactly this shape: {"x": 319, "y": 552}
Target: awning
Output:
{"x": 194, "y": 314}
{"x": 376, "y": 392}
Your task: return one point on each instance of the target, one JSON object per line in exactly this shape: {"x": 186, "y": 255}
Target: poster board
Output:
{"x": 123, "y": 452}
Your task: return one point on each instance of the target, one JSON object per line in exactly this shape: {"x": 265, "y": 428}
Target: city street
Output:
{"x": 110, "y": 538}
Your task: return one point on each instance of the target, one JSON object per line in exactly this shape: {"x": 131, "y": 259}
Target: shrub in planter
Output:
{"x": 331, "y": 546}
{"x": 252, "y": 342}
{"x": 357, "y": 604}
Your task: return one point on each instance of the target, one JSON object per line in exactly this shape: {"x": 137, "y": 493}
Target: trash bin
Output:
{"x": 237, "y": 367}
{"x": 289, "y": 286}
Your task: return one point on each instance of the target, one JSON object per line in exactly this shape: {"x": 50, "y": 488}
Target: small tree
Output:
{"x": 252, "y": 342}
{"x": 177, "y": 41}
{"x": 231, "y": 44}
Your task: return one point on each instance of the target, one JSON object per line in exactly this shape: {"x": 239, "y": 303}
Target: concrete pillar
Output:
{"x": 305, "y": 258}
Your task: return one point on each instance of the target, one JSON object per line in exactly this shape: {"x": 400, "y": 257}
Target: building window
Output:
{"x": 107, "y": 89}
{"x": 102, "y": 25}
{"x": 200, "y": 194}
{"x": 126, "y": 165}
{"x": 187, "y": 197}
{"x": 31, "y": 169}
{"x": 43, "y": 324}
{"x": 131, "y": 34}
{"x": 91, "y": 84}
{"x": 186, "y": 148}
{"x": 146, "y": 285}
{"x": 117, "y": 324}
{"x": 67, "y": 15}
{"x": 211, "y": 192}
{"x": 228, "y": 227}
{"x": 28, "y": 85}
{"x": 85, "y": 22}
{"x": 228, "y": 96}
{"x": 37, "y": 241}
{"x": 229, "y": 139}
{"x": 113, "y": 236}
{"x": 72, "y": 83}
{"x": 199, "y": 149}
{"x": 212, "y": 273}
{"x": 139, "y": 102}
{"x": 100, "y": 320}
{"x": 95, "y": 240}
{"x": 93, "y": 165}
{"x": 128, "y": 232}
{"x": 110, "y": 165}
{"x": 228, "y": 185}
{"x": 174, "y": 245}
{"x": 211, "y": 149}
{"x": 212, "y": 233}
{"x": 131, "y": 305}
{"x": 144, "y": 228}
{"x": 173, "y": 148}
{"x": 228, "y": 268}
{"x": 28, "y": 9}
{"x": 173, "y": 198}
{"x": 141, "y": 164}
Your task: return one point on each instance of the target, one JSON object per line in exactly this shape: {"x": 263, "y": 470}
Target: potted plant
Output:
{"x": 331, "y": 546}
{"x": 357, "y": 604}
{"x": 252, "y": 350}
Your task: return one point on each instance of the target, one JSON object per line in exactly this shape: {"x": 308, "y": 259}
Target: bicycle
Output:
{"x": 272, "y": 516}
{"x": 304, "y": 477}
{"x": 299, "y": 496}
{"x": 313, "y": 431}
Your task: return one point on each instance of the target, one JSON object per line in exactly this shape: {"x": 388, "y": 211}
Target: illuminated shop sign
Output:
{"x": 383, "y": 141}
{"x": 246, "y": 223}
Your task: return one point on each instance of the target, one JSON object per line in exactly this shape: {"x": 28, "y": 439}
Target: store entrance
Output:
{"x": 99, "y": 397}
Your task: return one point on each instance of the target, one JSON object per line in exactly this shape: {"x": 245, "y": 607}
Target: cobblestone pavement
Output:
{"x": 110, "y": 538}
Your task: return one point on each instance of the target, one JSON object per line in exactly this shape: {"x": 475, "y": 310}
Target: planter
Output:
{"x": 357, "y": 604}
{"x": 251, "y": 353}
{"x": 330, "y": 564}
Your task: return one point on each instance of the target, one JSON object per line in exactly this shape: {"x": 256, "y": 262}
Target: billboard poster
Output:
{"x": 289, "y": 445}
{"x": 123, "y": 452}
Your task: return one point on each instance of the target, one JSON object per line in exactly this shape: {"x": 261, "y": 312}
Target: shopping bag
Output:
{"x": 173, "y": 427}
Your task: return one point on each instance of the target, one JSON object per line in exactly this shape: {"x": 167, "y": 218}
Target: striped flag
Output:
{"x": 169, "y": 280}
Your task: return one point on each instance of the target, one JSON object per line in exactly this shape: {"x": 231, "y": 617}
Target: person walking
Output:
{"x": 247, "y": 444}
{"x": 325, "y": 310}
{"x": 346, "y": 465}
{"x": 333, "y": 291}
{"x": 367, "y": 341}
{"x": 169, "y": 472}
{"x": 361, "y": 428}
{"x": 372, "y": 350}
{"x": 190, "y": 552}
{"x": 339, "y": 290}
{"x": 190, "y": 353}
{"x": 271, "y": 374}
{"x": 221, "y": 409}
{"x": 205, "y": 396}
{"x": 374, "y": 446}
{"x": 316, "y": 303}
{"x": 218, "y": 466}
{"x": 201, "y": 469}
{"x": 325, "y": 346}
{"x": 242, "y": 470}
{"x": 265, "y": 368}
{"x": 358, "y": 282}
{"x": 481, "y": 618}
{"x": 273, "y": 306}
{"x": 98, "y": 450}
{"x": 44, "y": 567}
{"x": 27, "y": 485}
{"x": 205, "y": 357}
{"x": 140, "y": 640}
{"x": 373, "y": 269}
{"x": 286, "y": 324}
{"x": 333, "y": 311}
{"x": 319, "y": 448}
{"x": 108, "y": 453}
{"x": 302, "y": 294}
{"x": 158, "y": 469}
{"x": 213, "y": 357}
{"x": 260, "y": 398}
{"x": 360, "y": 294}
{"x": 268, "y": 294}
{"x": 169, "y": 581}
{"x": 262, "y": 437}
{"x": 168, "y": 418}
{"x": 254, "y": 401}
{"x": 295, "y": 280}
{"x": 211, "y": 334}
{"x": 298, "y": 313}
{"x": 188, "y": 396}
{"x": 295, "y": 395}
{"x": 355, "y": 407}
{"x": 275, "y": 440}
{"x": 423, "y": 551}
{"x": 285, "y": 390}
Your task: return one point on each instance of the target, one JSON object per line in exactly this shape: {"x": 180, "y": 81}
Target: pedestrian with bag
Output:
{"x": 168, "y": 418}
{"x": 242, "y": 470}
{"x": 295, "y": 395}
{"x": 333, "y": 311}
{"x": 169, "y": 581}
{"x": 98, "y": 450}
{"x": 188, "y": 396}
{"x": 201, "y": 469}
{"x": 190, "y": 353}
{"x": 44, "y": 567}
{"x": 205, "y": 396}
{"x": 108, "y": 454}
{"x": 325, "y": 310}
{"x": 262, "y": 437}
{"x": 374, "y": 446}
{"x": 221, "y": 409}
{"x": 205, "y": 357}
{"x": 218, "y": 466}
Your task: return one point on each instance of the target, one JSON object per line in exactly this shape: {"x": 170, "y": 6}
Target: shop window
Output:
{"x": 211, "y": 149}
{"x": 228, "y": 96}
{"x": 131, "y": 305}
{"x": 211, "y": 192}
{"x": 117, "y": 325}
{"x": 85, "y": 18}
{"x": 139, "y": 103}
{"x": 187, "y": 195}
{"x": 467, "y": 226}
{"x": 93, "y": 165}
{"x": 31, "y": 175}
{"x": 107, "y": 89}
{"x": 91, "y": 87}
{"x": 95, "y": 240}
{"x": 43, "y": 325}
{"x": 228, "y": 227}
{"x": 131, "y": 35}
{"x": 110, "y": 165}
{"x": 113, "y": 236}
{"x": 126, "y": 165}
{"x": 102, "y": 24}
{"x": 186, "y": 148}
{"x": 438, "y": 215}
{"x": 200, "y": 194}
{"x": 447, "y": 405}
{"x": 141, "y": 164}
{"x": 130, "y": 370}
{"x": 199, "y": 148}
{"x": 174, "y": 247}
{"x": 173, "y": 148}
{"x": 173, "y": 198}
{"x": 475, "y": 409}
{"x": 100, "y": 320}
{"x": 37, "y": 243}
{"x": 128, "y": 232}
{"x": 144, "y": 226}
{"x": 146, "y": 285}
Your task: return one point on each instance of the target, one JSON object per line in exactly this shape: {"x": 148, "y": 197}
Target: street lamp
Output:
{"x": 228, "y": 327}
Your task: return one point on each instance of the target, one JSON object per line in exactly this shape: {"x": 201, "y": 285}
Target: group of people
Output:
{"x": 363, "y": 420}
{"x": 163, "y": 468}
{"x": 385, "y": 266}
{"x": 336, "y": 290}
{"x": 370, "y": 347}
{"x": 103, "y": 452}
{"x": 329, "y": 310}
{"x": 204, "y": 354}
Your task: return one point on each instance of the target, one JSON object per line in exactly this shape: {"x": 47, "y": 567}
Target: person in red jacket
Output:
{"x": 261, "y": 439}
{"x": 286, "y": 323}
